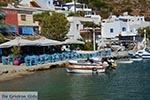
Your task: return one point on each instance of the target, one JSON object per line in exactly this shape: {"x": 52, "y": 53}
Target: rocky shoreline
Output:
{"x": 8, "y": 72}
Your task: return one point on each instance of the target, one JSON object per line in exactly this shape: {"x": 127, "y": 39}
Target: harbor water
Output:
{"x": 128, "y": 82}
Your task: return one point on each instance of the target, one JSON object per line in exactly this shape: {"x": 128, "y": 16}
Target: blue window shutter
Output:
{"x": 123, "y": 29}
{"x": 111, "y": 30}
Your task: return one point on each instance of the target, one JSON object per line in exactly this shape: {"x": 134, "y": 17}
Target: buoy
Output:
{"x": 115, "y": 65}
{"x": 16, "y": 62}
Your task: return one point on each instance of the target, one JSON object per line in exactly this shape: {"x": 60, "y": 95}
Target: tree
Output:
{"x": 5, "y": 2}
{"x": 141, "y": 31}
{"x": 16, "y": 51}
{"x": 55, "y": 26}
{"x": 2, "y": 38}
{"x": 39, "y": 16}
{"x": 64, "y": 1}
{"x": 77, "y": 14}
{"x": 2, "y": 25}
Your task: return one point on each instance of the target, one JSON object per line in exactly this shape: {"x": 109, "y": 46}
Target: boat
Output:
{"x": 145, "y": 53}
{"x": 90, "y": 65}
{"x": 86, "y": 66}
{"x": 125, "y": 61}
{"x": 136, "y": 58}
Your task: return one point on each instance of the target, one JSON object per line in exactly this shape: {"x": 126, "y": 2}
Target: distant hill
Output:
{"x": 117, "y": 7}
{"x": 135, "y": 7}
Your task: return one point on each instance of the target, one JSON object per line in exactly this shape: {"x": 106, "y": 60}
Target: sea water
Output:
{"x": 128, "y": 82}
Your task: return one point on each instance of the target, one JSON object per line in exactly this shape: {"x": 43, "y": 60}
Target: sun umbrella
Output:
{"x": 72, "y": 41}
{"x": 18, "y": 41}
{"x": 46, "y": 42}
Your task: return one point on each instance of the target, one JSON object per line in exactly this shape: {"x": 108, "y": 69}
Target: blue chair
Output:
{"x": 10, "y": 59}
{"x": 4, "y": 60}
{"x": 49, "y": 58}
{"x": 42, "y": 59}
{"x": 67, "y": 56}
{"x": 34, "y": 59}
{"x": 75, "y": 55}
{"x": 53, "y": 58}
{"x": 46, "y": 58}
{"x": 63, "y": 56}
{"x": 27, "y": 60}
{"x": 57, "y": 57}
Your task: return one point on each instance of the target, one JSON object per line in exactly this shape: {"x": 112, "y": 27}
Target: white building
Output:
{"x": 44, "y": 4}
{"x": 76, "y": 24}
{"x": 125, "y": 25}
{"x": 77, "y": 7}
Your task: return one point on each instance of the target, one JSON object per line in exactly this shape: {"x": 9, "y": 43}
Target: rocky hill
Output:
{"x": 117, "y": 7}
{"x": 134, "y": 7}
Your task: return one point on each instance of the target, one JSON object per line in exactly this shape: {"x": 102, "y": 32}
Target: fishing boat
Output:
{"x": 90, "y": 65}
{"x": 86, "y": 66}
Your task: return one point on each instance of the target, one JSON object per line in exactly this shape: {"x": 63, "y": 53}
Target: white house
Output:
{"x": 125, "y": 25}
{"x": 44, "y": 4}
{"x": 76, "y": 24}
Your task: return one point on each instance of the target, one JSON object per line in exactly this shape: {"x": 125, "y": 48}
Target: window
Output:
{"x": 49, "y": 2}
{"x": 23, "y": 17}
{"x": 77, "y": 26}
{"x": 111, "y": 30}
{"x": 123, "y": 29}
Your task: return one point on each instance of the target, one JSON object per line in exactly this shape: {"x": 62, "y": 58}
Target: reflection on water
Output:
{"x": 129, "y": 82}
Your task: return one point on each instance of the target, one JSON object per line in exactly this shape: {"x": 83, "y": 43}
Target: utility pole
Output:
{"x": 93, "y": 39}
{"x": 74, "y": 6}
{"x": 145, "y": 38}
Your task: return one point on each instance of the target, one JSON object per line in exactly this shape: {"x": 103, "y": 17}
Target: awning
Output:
{"x": 26, "y": 30}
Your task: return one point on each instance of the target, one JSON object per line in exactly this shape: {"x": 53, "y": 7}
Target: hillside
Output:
{"x": 135, "y": 7}
{"x": 107, "y": 7}
{"x": 117, "y": 7}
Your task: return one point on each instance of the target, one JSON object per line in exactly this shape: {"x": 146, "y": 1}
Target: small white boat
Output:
{"x": 85, "y": 67}
{"x": 135, "y": 57}
{"x": 125, "y": 61}
{"x": 145, "y": 53}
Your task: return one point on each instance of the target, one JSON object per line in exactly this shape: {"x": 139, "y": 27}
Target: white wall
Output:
{"x": 45, "y": 4}
{"x": 118, "y": 25}
{"x": 25, "y": 2}
{"x": 105, "y": 29}
{"x": 74, "y": 31}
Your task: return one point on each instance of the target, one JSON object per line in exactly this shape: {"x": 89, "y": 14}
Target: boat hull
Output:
{"x": 146, "y": 56}
{"x": 136, "y": 59}
{"x": 125, "y": 62}
{"x": 84, "y": 69}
